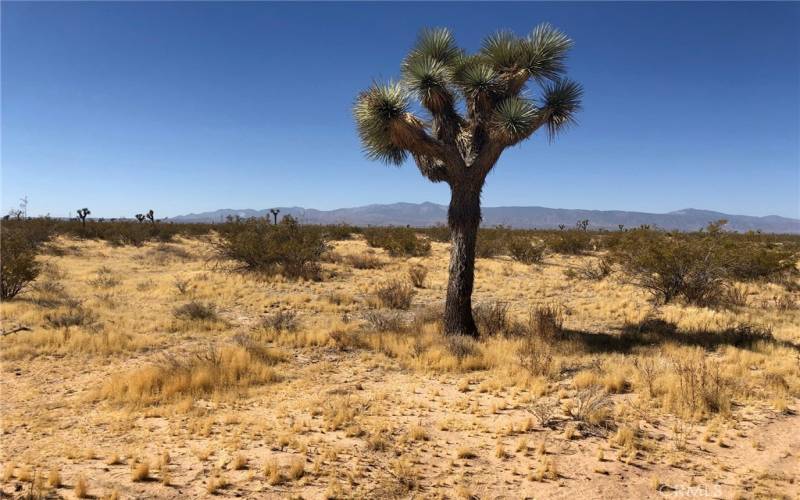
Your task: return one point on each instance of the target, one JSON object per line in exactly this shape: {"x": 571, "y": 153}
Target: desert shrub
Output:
{"x": 546, "y": 321}
{"x": 461, "y": 346}
{"x": 699, "y": 388}
{"x": 590, "y": 270}
{"x": 523, "y": 250}
{"x": 492, "y": 242}
{"x": 417, "y": 275}
{"x": 440, "y": 233}
{"x": 365, "y": 261}
{"x": 398, "y": 241}
{"x": 281, "y": 321}
{"x": 592, "y": 408}
{"x": 670, "y": 267}
{"x": 569, "y": 242}
{"x": 395, "y": 294}
{"x": 535, "y": 354}
{"x": 339, "y": 232}
{"x": 73, "y": 315}
{"x": 384, "y": 321}
{"x": 195, "y": 311}
{"x": 18, "y": 266}
{"x": 749, "y": 262}
{"x": 287, "y": 248}
{"x": 491, "y": 318}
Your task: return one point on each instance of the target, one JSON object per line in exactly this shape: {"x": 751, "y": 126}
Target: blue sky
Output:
{"x": 187, "y": 107}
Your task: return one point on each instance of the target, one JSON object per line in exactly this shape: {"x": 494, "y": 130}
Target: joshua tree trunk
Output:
{"x": 463, "y": 218}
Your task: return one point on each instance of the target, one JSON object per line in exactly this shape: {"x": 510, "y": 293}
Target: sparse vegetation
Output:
{"x": 205, "y": 362}
{"x": 398, "y": 241}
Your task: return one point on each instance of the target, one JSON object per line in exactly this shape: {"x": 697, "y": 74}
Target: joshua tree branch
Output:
{"x": 436, "y": 160}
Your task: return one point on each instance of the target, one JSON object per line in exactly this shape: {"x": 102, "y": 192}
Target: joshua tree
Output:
{"x": 621, "y": 227}
{"x": 461, "y": 148}
{"x": 583, "y": 224}
{"x": 561, "y": 227}
{"x": 150, "y": 216}
{"x": 140, "y": 217}
{"x": 82, "y": 214}
{"x": 275, "y": 213}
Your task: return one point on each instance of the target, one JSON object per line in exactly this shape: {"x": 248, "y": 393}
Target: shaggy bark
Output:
{"x": 463, "y": 218}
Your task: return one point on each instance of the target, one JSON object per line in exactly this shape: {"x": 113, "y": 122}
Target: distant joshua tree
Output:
{"x": 82, "y": 214}
{"x": 150, "y": 216}
{"x": 461, "y": 147}
{"x": 561, "y": 227}
{"x": 583, "y": 225}
{"x": 275, "y": 213}
{"x": 621, "y": 227}
{"x": 140, "y": 217}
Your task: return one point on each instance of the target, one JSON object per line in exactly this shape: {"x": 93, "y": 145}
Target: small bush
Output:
{"x": 535, "y": 354}
{"x": 395, "y": 295}
{"x": 417, "y": 275}
{"x": 570, "y": 242}
{"x": 492, "y": 242}
{"x": 281, "y": 321}
{"x": 747, "y": 262}
{"x": 74, "y": 315}
{"x": 590, "y": 270}
{"x": 491, "y": 318}
{"x": 525, "y": 251}
{"x": 546, "y": 321}
{"x": 18, "y": 267}
{"x": 286, "y": 248}
{"x": 365, "y": 261}
{"x": 195, "y": 311}
{"x": 461, "y": 346}
{"x": 339, "y": 232}
{"x": 398, "y": 241}
{"x": 384, "y": 321}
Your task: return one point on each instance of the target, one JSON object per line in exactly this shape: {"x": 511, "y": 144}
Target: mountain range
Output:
{"x": 430, "y": 214}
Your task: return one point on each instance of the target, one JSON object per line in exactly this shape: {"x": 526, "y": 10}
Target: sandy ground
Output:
{"x": 361, "y": 422}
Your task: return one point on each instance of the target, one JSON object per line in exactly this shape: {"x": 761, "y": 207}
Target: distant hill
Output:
{"x": 429, "y": 214}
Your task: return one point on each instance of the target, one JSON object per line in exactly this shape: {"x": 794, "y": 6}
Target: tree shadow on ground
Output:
{"x": 656, "y": 332}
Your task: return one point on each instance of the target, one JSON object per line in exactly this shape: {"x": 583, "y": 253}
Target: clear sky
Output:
{"x": 188, "y": 107}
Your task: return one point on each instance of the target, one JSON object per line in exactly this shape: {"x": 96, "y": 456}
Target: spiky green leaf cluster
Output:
{"x": 562, "y": 100}
{"x": 540, "y": 55}
{"x": 374, "y": 111}
{"x": 515, "y": 118}
{"x": 474, "y": 75}
{"x": 427, "y": 70}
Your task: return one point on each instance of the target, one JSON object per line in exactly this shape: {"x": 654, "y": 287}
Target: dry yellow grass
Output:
{"x": 336, "y": 407}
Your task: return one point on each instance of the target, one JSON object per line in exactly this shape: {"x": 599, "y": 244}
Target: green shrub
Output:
{"x": 748, "y": 262}
{"x": 398, "y": 241}
{"x": 287, "y": 248}
{"x": 440, "y": 233}
{"x": 492, "y": 242}
{"x": 522, "y": 249}
{"x": 18, "y": 266}
{"x": 570, "y": 242}
{"x": 339, "y": 232}
{"x": 673, "y": 266}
